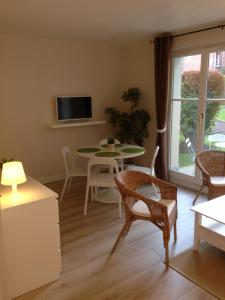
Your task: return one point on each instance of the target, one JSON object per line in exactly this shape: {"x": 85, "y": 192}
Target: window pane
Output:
{"x": 216, "y": 72}
{"x": 182, "y": 149}
{"x": 214, "y": 126}
{"x": 186, "y": 75}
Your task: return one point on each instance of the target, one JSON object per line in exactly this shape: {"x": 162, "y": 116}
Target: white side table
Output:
{"x": 210, "y": 223}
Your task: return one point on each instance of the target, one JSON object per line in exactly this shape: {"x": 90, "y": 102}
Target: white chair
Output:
{"x": 149, "y": 171}
{"x": 71, "y": 170}
{"x": 119, "y": 161}
{"x": 96, "y": 179}
{"x": 190, "y": 148}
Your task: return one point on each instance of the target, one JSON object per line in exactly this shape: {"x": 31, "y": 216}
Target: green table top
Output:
{"x": 132, "y": 150}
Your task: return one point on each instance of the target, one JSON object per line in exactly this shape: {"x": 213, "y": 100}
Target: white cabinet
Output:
{"x": 3, "y": 295}
{"x": 31, "y": 238}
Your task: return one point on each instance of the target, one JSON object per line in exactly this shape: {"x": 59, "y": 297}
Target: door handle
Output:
{"x": 201, "y": 116}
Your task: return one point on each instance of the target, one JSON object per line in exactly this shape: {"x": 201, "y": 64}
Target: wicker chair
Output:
{"x": 162, "y": 213}
{"x": 212, "y": 166}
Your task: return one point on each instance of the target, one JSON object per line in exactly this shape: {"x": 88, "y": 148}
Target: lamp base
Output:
{"x": 15, "y": 194}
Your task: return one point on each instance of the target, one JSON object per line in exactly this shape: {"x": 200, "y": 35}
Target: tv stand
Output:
{"x": 76, "y": 123}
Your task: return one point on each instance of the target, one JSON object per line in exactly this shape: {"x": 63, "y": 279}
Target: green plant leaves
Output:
{"x": 132, "y": 128}
{"x": 111, "y": 141}
{"x": 190, "y": 89}
{"x": 4, "y": 160}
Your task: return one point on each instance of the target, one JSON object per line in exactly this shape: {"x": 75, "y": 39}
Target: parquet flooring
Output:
{"x": 134, "y": 272}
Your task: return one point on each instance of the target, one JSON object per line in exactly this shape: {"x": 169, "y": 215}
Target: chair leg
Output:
{"x": 69, "y": 183}
{"x": 86, "y": 200}
{"x": 96, "y": 194}
{"x": 175, "y": 231}
{"x": 166, "y": 254}
{"x": 120, "y": 213}
{"x": 166, "y": 239}
{"x": 122, "y": 232}
{"x": 122, "y": 165}
{"x": 196, "y": 197}
{"x": 155, "y": 190}
{"x": 92, "y": 194}
{"x": 128, "y": 228}
{"x": 64, "y": 189}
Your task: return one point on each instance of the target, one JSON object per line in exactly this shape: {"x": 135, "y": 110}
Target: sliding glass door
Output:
{"x": 214, "y": 131}
{"x": 185, "y": 104}
{"x": 197, "y": 109}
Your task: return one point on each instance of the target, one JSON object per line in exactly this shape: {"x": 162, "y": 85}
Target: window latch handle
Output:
{"x": 201, "y": 116}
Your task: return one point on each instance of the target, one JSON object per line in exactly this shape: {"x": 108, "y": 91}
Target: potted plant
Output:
{"x": 111, "y": 144}
{"x": 132, "y": 127}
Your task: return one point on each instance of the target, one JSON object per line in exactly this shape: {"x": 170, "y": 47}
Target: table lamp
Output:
{"x": 13, "y": 174}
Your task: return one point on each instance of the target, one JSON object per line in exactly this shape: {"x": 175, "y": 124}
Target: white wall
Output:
{"x": 33, "y": 72}
{"x": 138, "y": 66}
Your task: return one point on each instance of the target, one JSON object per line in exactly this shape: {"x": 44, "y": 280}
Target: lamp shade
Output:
{"x": 12, "y": 173}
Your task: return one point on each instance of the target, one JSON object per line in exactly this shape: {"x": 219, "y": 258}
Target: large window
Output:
{"x": 197, "y": 108}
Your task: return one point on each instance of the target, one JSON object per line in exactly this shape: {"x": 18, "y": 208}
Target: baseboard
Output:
{"x": 51, "y": 178}
{"x": 186, "y": 183}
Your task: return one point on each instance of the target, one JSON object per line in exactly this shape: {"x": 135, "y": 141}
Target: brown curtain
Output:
{"x": 162, "y": 68}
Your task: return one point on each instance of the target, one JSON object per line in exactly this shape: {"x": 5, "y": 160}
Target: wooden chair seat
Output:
{"x": 141, "y": 209}
{"x": 217, "y": 180}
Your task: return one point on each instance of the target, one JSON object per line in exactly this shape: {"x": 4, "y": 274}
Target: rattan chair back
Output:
{"x": 211, "y": 163}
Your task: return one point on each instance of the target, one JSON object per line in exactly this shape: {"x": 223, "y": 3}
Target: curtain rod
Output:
{"x": 222, "y": 26}
{"x": 199, "y": 30}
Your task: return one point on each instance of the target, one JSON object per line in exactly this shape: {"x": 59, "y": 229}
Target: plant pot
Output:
{"x": 111, "y": 147}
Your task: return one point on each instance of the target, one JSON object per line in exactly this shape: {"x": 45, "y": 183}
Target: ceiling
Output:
{"x": 123, "y": 21}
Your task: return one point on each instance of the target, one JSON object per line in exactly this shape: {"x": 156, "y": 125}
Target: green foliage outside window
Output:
{"x": 190, "y": 89}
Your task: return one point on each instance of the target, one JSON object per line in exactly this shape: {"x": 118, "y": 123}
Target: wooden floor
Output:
{"x": 135, "y": 271}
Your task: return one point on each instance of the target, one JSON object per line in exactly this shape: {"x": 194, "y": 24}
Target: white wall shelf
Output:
{"x": 76, "y": 124}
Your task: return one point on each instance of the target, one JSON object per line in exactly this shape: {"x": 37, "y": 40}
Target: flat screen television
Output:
{"x": 69, "y": 108}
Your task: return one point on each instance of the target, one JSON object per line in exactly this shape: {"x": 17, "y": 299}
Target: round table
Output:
{"x": 220, "y": 145}
{"x": 218, "y": 139}
{"x": 122, "y": 151}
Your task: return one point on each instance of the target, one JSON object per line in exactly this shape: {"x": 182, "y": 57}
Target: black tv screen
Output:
{"x": 73, "y": 108}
